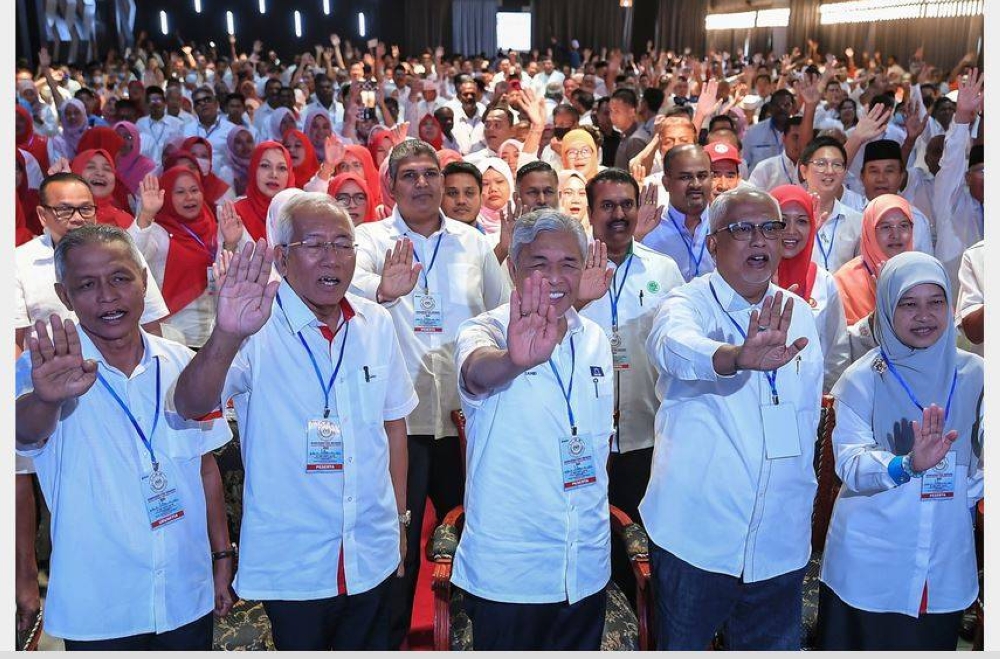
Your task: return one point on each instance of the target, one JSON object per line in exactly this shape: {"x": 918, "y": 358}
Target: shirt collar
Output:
{"x": 299, "y": 316}
{"x": 730, "y": 299}
{"x": 403, "y": 230}
{"x": 150, "y": 351}
{"x": 573, "y": 323}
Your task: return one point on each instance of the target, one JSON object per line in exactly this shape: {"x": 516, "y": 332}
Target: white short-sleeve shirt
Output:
{"x": 518, "y": 518}
{"x": 295, "y": 522}
{"x": 111, "y": 575}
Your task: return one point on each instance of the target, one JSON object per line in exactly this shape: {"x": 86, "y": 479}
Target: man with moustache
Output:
{"x": 537, "y": 186}
{"x": 683, "y": 229}
{"x": 884, "y": 172}
{"x": 321, "y": 391}
{"x": 134, "y": 492}
{"x": 537, "y": 390}
{"x": 732, "y": 375}
{"x": 431, "y": 273}
{"x": 641, "y": 281}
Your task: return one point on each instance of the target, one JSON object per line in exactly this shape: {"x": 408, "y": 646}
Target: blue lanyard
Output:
{"x": 211, "y": 253}
{"x": 430, "y": 266}
{"x": 327, "y": 387}
{"x": 146, "y": 441}
{"x": 909, "y": 392}
{"x": 772, "y": 376}
{"x": 567, "y": 393}
{"x": 616, "y": 294}
{"x": 828, "y": 252}
{"x": 781, "y": 156}
{"x": 689, "y": 244}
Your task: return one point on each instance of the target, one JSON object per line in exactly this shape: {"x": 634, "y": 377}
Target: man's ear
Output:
{"x": 510, "y": 266}
{"x": 281, "y": 260}
{"x": 712, "y": 244}
{"x": 63, "y": 297}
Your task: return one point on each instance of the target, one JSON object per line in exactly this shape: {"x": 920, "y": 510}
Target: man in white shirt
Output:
{"x": 970, "y": 309}
{"x": 684, "y": 227}
{"x": 272, "y": 101}
{"x": 919, "y": 190}
{"x": 456, "y": 277}
{"x": 729, "y": 515}
{"x": 641, "y": 281}
{"x": 763, "y": 140}
{"x": 537, "y": 390}
{"x": 958, "y": 190}
{"x": 211, "y": 124}
{"x": 157, "y": 128}
{"x": 468, "y": 129}
{"x": 781, "y": 169}
{"x": 321, "y": 391}
{"x": 547, "y": 75}
{"x": 134, "y": 492}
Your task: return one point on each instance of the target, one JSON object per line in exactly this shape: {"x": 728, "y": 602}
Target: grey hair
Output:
{"x": 316, "y": 203}
{"x": 719, "y": 211}
{"x": 528, "y": 226}
{"x": 93, "y": 234}
{"x": 409, "y": 148}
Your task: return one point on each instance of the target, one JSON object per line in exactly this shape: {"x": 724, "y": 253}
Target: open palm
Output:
{"x": 58, "y": 370}
{"x": 245, "y": 297}
{"x": 533, "y": 330}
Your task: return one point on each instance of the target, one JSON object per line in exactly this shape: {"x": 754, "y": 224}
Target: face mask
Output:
{"x": 559, "y": 132}
{"x": 98, "y": 81}
{"x": 210, "y": 75}
{"x": 204, "y": 165}
{"x": 191, "y": 78}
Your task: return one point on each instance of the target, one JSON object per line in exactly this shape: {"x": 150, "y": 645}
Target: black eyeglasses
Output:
{"x": 203, "y": 99}
{"x": 742, "y": 231}
{"x": 65, "y": 213}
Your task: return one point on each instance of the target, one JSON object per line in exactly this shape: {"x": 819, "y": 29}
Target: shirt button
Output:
{"x": 350, "y": 498}
{"x": 350, "y": 459}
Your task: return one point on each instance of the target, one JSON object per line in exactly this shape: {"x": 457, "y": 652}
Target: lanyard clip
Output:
{"x": 774, "y": 399}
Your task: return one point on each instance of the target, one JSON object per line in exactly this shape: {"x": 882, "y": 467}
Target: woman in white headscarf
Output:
{"x": 280, "y": 121}
{"x": 274, "y": 209}
{"x": 899, "y": 567}
{"x": 498, "y": 189}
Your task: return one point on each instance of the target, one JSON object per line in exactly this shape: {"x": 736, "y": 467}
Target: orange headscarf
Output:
{"x": 579, "y": 138}
{"x": 856, "y": 278}
{"x": 799, "y": 269}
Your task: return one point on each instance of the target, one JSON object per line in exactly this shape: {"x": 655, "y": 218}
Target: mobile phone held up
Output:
{"x": 515, "y": 84}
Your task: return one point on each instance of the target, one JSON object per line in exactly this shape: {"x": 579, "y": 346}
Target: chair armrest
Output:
{"x": 441, "y": 551}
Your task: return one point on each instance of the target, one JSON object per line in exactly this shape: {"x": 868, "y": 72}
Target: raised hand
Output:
{"x": 398, "y": 133}
{"x": 335, "y": 40}
{"x": 764, "y": 348}
{"x": 970, "y": 97}
{"x": 508, "y": 216}
{"x": 650, "y": 212}
{"x": 596, "y": 277}
{"x": 221, "y": 267}
{"x": 58, "y": 370}
{"x": 533, "y": 330}
{"x": 930, "y": 442}
{"x": 399, "y": 272}
{"x": 230, "y": 224}
{"x": 637, "y": 170}
{"x": 245, "y": 295}
{"x": 707, "y": 102}
{"x": 333, "y": 150}
{"x": 150, "y": 200}
{"x": 873, "y": 124}
{"x": 914, "y": 124}
{"x": 59, "y": 166}
{"x": 809, "y": 92}
{"x": 44, "y": 60}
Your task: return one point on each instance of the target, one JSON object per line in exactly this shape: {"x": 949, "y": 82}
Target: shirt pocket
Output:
{"x": 373, "y": 385}
{"x": 602, "y": 411}
{"x": 465, "y": 285}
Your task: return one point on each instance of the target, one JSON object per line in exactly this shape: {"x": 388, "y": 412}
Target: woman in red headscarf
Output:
{"x": 359, "y": 160}
{"x": 102, "y": 137}
{"x": 886, "y": 230}
{"x": 27, "y": 197}
{"x": 810, "y": 282}
{"x": 446, "y": 156}
{"x": 353, "y": 193}
{"x": 305, "y": 164}
{"x": 97, "y": 168}
{"x": 132, "y": 166}
{"x": 270, "y": 172}
{"x": 429, "y": 130}
{"x": 21, "y": 233}
{"x": 380, "y": 144}
{"x": 180, "y": 247}
{"x": 27, "y": 139}
{"x": 217, "y": 185}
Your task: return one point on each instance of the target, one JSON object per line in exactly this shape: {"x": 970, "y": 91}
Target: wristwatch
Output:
{"x": 404, "y": 518}
{"x": 225, "y": 553}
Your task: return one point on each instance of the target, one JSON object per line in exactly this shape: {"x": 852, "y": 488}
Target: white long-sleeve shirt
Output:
{"x": 959, "y": 216}
{"x": 715, "y": 500}
{"x": 971, "y": 276}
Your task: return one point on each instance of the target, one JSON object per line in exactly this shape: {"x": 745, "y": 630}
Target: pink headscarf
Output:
{"x": 133, "y": 167}
{"x": 385, "y": 185}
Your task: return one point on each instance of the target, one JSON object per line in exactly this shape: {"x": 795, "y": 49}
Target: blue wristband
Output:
{"x": 896, "y": 472}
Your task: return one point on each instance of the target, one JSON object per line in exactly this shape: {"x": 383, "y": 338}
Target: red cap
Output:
{"x": 721, "y": 151}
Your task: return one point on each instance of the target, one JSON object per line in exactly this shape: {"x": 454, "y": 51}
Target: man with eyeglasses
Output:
{"x": 432, "y": 273}
{"x": 625, "y": 310}
{"x": 320, "y": 388}
{"x": 682, "y": 231}
{"x": 157, "y": 128}
{"x": 211, "y": 124}
{"x": 729, "y": 503}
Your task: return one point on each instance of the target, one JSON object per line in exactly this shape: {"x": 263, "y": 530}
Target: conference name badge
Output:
{"x": 577, "y": 455}
{"x": 938, "y": 482}
{"x": 324, "y": 446}
{"x": 427, "y": 315}
{"x": 211, "y": 289}
{"x": 163, "y": 503}
{"x": 619, "y": 353}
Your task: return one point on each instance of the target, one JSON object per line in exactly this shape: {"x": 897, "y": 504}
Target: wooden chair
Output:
{"x": 624, "y": 628}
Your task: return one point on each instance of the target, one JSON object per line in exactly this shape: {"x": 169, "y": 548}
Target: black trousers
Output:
{"x": 843, "y": 627}
{"x": 345, "y": 622}
{"x": 628, "y": 476}
{"x": 195, "y": 635}
{"x": 435, "y": 470}
{"x": 558, "y": 626}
